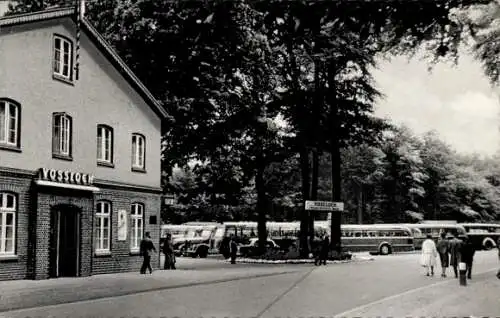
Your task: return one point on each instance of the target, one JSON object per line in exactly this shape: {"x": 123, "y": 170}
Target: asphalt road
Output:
{"x": 389, "y": 286}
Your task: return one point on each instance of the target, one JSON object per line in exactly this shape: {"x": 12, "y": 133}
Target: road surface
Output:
{"x": 389, "y": 286}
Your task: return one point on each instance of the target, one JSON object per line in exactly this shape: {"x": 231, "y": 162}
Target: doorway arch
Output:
{"x": 64, "y": 240}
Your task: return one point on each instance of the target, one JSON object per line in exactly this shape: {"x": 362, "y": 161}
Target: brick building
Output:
{"x": 79, "y": 157}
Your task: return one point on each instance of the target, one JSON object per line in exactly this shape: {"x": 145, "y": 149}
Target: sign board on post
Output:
{"x": 324, "y": 206}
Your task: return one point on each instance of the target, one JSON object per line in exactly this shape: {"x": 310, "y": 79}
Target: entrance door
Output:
{"x": 64, "y": 245}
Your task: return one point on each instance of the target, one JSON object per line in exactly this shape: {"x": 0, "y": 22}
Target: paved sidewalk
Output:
{"x": 30, "y": 293}
{"x": 446, "y": 298}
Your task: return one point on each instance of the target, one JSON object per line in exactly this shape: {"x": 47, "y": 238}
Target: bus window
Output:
{"x": 357, "y": 234}
{"x": 364, "y": 234}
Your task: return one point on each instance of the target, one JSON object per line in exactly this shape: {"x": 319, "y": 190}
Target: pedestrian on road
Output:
{"x": 455, "y": 247}
{"x": 233, "y": 249}
{"x": 429, "y": 255}
{"x": 443, "y": 248}
{"x": 145, "y": 249}
{"x": 168, "y": 250}
{"x": 467, "y": 254}
{"x": 498, "y": 246}
{"x": 323, "y": 251}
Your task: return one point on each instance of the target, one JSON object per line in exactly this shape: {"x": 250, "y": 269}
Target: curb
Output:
{"x": 298, "y": 261}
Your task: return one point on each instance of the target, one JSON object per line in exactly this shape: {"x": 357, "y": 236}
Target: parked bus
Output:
{"x": 176, "y": 230}
{"x": 378, "y": 238}
{"x": 202, "y": 239}
{"x": 483, "y": 235}
{"x": 421, "y": 230}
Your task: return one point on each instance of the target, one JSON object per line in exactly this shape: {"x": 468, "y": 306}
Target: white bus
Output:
{"x": 434, "y": 229}
{"x": 383, "y": 239}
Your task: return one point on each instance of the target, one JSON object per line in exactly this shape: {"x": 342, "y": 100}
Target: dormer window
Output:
{"x": 63, "y": 58}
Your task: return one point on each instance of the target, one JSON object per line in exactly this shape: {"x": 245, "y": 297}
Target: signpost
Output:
{"x": 324, "y": 206}
{"x": 334, "y": 221}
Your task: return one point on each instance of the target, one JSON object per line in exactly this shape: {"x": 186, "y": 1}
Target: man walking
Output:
{"x": 455, "y": 247}
{"x": 467, "y": 255}
{"x": 145, "y": 249}
{"x": 168, "y": 250}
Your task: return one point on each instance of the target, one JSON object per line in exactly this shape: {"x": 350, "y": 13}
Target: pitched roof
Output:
{"x": 99, "y": 41}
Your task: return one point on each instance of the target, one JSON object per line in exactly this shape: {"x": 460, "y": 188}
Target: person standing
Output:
{"x": 498, "y": 246}
{"x": 429, "y": 255}
{"x": 146, "y": 248}
{"x": 168, "y": 250}
{"x": 233, "y": 249}
{"x": 467, "y": 255}
{"x": 455, "y": 247}
{"x": 443, "y": 248}
{"x": 323, "y": 251}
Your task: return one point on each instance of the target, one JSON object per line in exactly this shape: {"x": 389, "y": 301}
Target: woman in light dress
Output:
{"x": 429, "y": 255}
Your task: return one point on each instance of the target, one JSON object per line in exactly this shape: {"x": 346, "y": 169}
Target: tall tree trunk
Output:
{"x": 360, "y": 204}
{"x": 317, "y": 102}
{"x": 304, "y": 225}
{"x": 261, "y": 205}
{"x": 301, "y": 137}
{"x": 336, "y": 160}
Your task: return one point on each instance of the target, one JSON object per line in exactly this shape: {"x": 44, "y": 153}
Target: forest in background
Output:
{"x": 404, "y": 178}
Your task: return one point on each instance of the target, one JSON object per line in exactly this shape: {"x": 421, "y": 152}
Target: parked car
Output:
{"x": 250, "y": 248}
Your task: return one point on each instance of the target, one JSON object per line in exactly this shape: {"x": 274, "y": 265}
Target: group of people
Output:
{"x": 147, "y": 247}
{"x": 452, "y": 250}
{"x": 322, "y": 249}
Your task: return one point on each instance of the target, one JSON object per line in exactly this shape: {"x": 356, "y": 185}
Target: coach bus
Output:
{"x": 382, "y": 239}
{"x": 421, "y": 230}
{"x": 483, "y": 235}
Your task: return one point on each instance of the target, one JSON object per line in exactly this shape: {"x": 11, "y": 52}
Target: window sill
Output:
{"x": 63, "y": 79}
{"x": 135, "y": 253}
{"x": 105, "y": 164}
{"x": 102, "y": 254}
{"x": 10, "y": 148}
{"x": 137, "y": 169}
{"x": 6, "y": 258}
{"x": 62, "y": 157}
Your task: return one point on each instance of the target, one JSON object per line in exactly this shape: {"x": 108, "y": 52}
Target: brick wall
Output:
{"x": 33, "y": 222}
{"x": 17, "y": 268}
{"x": 121, "y": 259}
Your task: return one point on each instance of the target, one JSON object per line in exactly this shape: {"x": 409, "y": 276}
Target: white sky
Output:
{"x": 456, "y": 101}
{"x": 3, "y": 6}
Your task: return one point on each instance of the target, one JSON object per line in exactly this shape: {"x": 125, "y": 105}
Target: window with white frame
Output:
{"x": 103, "y": 227}
{"x": 138, "y": 151}
{"x": 62, "y": 132}
{"x": 8, "y": 209}
{"x": 63, "y": 57}
{"x": 137, "y": 216}
{"x": 104, "y": 144}
{"x": 9, "y": 122}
